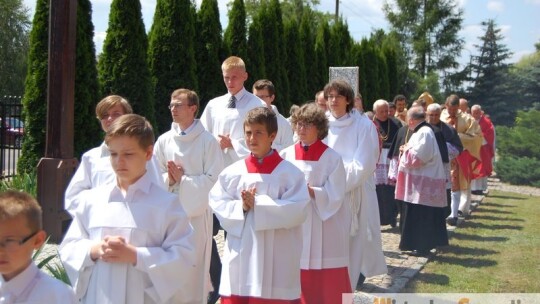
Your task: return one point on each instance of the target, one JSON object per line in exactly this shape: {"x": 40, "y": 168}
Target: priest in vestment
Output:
{"x": 467, "y": 165}
{"x": 487, "y": 151}
{"x": 421, "y": 182}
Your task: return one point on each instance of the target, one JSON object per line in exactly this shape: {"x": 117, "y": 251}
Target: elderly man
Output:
{"x": 487, "y": 151}
{"x": 387, "y": 127}
{"x": 467, "y": 164}
{"x": 464, "y": 105}
{"x": 454, "y": 147}
{"x": 421, "y": 183}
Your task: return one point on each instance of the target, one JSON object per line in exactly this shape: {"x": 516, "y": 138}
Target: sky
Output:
{"x": 517, "y": 19}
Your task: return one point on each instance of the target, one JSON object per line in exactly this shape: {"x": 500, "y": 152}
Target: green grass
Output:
{"x": 497, "y": 250}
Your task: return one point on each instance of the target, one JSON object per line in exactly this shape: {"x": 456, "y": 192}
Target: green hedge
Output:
{"x": 519, "y": 170}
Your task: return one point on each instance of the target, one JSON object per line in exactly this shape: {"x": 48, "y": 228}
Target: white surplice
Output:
{"x": 34, "y": 286}
{"x": 326, "y": 235}
{"x": 356, "y": 139}
{"x": 149, "y": 218}
{"x": 263, "y": 246}
{"x": 95, "y": 170}
{"x": 220, "y": 120}
{"x": 199, "y": 155}
{"x": 285, "y": 134}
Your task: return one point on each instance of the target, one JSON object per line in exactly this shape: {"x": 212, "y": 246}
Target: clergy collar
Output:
{"x": 310, "y": 153}
{"x": 418, "y": 126}
{"x": 265, "y": 165}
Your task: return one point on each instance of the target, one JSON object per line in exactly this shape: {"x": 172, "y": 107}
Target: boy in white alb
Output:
{"x": 190, "y": 161}
{"x": 95, "y": 167}
{"x": 20, "y": 234}
{"x": 261, "y": 202}
{"x": 130, "y": 241}
{"x": 325, "y": 254}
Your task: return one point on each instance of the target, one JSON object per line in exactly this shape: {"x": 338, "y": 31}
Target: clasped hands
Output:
{"x": 114, "y": 249}
{"x": 248, "y": 199}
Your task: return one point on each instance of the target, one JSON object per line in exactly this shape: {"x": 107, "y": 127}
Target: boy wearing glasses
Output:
{"x": 261, "y": 202}
{"x": 95, "y": 167}
{"x": 130, "y": 241}
{"x": 190, "y": 160}
{"x": 20, "y": 234}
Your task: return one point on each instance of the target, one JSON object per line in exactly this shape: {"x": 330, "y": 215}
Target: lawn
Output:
{"x": 497, "y": 250}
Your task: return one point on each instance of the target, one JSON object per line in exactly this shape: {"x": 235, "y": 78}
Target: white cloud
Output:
{"x": 535, "y": 2}
{"x": 495, "y": 6}
{"x": 519, "y": 54}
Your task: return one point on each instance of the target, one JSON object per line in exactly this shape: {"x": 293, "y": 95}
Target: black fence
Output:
{"x": 11, "y": 134}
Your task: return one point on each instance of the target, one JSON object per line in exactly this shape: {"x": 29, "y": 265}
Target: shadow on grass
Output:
{"x": 465, "y": 262}
{"x": 478, "y": 238}
{"x": 482, "y": 208}
{"x": 491, "y": 204}
{"x": 507, "y": 197}
{"x": 469, "y": 224}
{"x": 432, "y": 278}
{"x": 456, "y": 249}
{"x": 496, "y": 218}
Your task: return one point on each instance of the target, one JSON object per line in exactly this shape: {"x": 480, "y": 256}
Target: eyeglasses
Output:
{"x": 334, "y": 96}
{"x": 12, "y": 244}
{"x": 263, "y": 96}
{"x": 112, "y": 116}
{"x": 301, "y": 125}
{"x": 178, "y": 105}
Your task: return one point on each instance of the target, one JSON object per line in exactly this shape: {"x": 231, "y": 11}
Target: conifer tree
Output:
{"x": 255, "y": 53}
{"x": 339, "y": 44}
{"x": 322, "y": 72}
{"x": 275, "y": 57}
{"x": 371, "y": 68}
{"x": 235, "y": 34}
{"x": 35, "y": 94}
{"x": 171, "y": 54}
{"x": 295, "y": 63}
{"x": 391, "y": 63}
{"x": 382, "y": 78}
{"x": 209, "y": 44}
{"x": 358, "y": 60}
{"x": 123, "y": 66}
{"x": 307, "y": 41}
{"x": 86, "y": 126}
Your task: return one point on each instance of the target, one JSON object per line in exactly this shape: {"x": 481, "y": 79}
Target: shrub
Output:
{"x": 519, "y": 170}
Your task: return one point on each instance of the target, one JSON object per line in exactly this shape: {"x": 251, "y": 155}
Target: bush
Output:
{"x": 26, "y": 182}
{"x": 519, "y": 170}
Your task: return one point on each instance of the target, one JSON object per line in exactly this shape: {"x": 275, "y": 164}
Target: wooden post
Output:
{"x": 56, "y": 168}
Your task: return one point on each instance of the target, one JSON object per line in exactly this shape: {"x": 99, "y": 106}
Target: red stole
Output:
{"x": 268, "y": 164}
{"x": 313, "y": 153}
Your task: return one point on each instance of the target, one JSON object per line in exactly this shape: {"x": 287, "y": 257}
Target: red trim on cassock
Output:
{"x": 267, "y": 165}
{"x": 314, "y": 152}
{"x": 321, "y": 286}
{"x": 232, "y": 299}
{"x": 469, "y": 165}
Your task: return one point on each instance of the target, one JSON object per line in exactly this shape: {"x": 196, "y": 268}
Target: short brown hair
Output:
{"x": 342, "y": 88}
{"x": 14, "y": 203}
{"x": 313, "y": 114}
{"x": 233, "y": 62}
{"x": 132, "y": 125}
{"x": 265, "y": 84}
{"x": 110, "y": 101}
{"x": 452, "y": 100}
{"x": 262, "y": 116}
{"x": 192, "y": 97}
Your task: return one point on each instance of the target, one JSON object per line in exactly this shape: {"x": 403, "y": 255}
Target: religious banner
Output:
{"x": 349, "y": 74}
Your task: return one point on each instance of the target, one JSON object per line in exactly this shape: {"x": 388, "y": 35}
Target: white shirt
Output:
{"x": 285, "y": 134}
{"x": 34, "y": 286}
{"x": 149, "y": 218}
{"x": 220, "y": 120}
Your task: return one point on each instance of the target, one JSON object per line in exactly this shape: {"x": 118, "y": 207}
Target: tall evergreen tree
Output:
{"x": 384, "y": 82}
{"x": 14, "y": 44}
{"x": 86, "y": 83}
{"x": 490, "y": 85}
{"x": 209, "y": 44}
{"x": 275, "y": 57}
{"x": 35, "y": 93}
{"x": 371, "y": 68}
{"x": 235, "y": 34}
{"x": 428, "y": 31}
{"x": 255, "y": 53}
{"x": 390, "y": 55}
{"x": 321, "y": 74}
{"x": 307, "y": 41}
{"x": 295, "y": 63}
{"x": 339, "y": 45}
{"x": 123, "y": 66}
{"x": 171, "y": 54}
{"x": 357, "y": 57}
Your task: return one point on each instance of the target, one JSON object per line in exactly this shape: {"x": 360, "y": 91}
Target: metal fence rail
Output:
{"x": 11, "y": 134}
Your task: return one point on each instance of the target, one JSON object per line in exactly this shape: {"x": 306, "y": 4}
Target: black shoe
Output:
{"x": 420, "y": 253}
{"x": 452, "y": 221}
{"x": 393, "y": 223}
{"x": 477, "y": 192}
{"x": 460, "y": 214}
{"x": 213, "y": 297}
{"x": 361, "y": 280}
